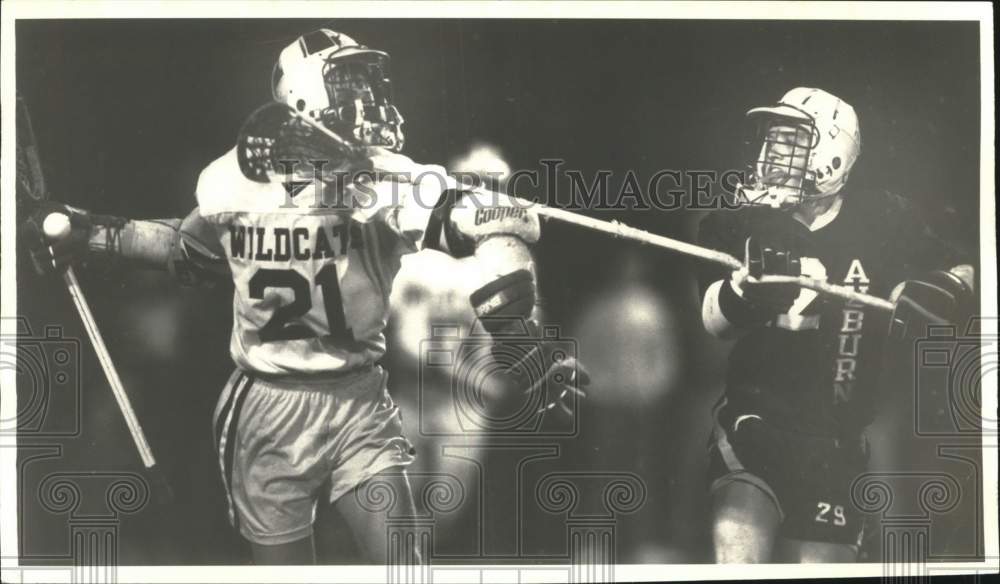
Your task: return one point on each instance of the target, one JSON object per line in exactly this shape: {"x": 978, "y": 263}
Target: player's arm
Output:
{"x": 434, "y": 211}
{"x": 184, "y": 247}
{"x": 495, "y": 231}
{"x": 498, "y": 231}
{"x": 732, "y": 303}
{"x": 737, "y": 303}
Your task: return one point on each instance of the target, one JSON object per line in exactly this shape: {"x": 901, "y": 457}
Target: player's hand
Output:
{"x": 936, "y": 298}
{"x": 565, "y": 378}
{"x": 767, "y": 260}
{"x": 537, "y": 366}
{"x": 531, "y": 361}
{"x": 56, "y": 250}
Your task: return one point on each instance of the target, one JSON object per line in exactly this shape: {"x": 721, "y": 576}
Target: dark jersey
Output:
{"x": 815, "y": 369}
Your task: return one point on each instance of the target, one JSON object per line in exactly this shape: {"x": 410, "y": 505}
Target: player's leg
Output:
{"x": 822, "y": 523}
{"x": 367, "y": 483}
{"x": 815, "y": 552}
{"x": 273, "y": 465}
{"x": 746, "y": 515}
{"x": 301, "y": 552}
{"x": 367, "y": 522}
{"x": 745, "y": 523}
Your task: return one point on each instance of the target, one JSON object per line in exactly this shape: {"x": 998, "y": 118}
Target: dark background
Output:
{"x": 128, "y": 112}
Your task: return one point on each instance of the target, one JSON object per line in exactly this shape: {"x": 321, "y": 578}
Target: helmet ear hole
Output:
{"x": 836, "y": 162}
{"x": 300, "y": 105}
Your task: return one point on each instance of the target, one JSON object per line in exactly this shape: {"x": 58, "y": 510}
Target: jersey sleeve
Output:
{"x": 223, "y": 191}
{"x": 199, "y": 254}
{"x": 405, "y": 210}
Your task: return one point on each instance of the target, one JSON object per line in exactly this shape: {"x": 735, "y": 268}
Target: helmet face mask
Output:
{"x": 360, "y": 96}
{"x": 780, "y": 152}
{"x": 802, "y": 149}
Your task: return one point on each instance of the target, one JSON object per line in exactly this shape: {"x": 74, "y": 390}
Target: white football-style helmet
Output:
{"x": 807, "y": 145}
{"x": 341, "y": 84}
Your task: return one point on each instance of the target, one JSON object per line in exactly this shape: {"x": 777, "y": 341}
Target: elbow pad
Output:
{"x": 738, "y": 310}
{"x": 196, "y": 258}
{"x": 191, "y": 263}
{"x": 463, "y": 218}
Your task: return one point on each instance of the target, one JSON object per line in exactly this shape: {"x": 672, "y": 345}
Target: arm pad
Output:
{"x": 505, "y": 302}
{"x": 463, "y": 218}
{"x": 725, "y": 313}
{"x": 171, "y": 244}
{"x": 149, "y": 242}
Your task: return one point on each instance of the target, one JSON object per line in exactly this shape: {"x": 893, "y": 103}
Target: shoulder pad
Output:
{"x": 222, "y": 188}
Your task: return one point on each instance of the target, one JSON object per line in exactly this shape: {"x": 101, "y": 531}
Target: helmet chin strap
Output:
{"x": 760, "y": 197}
{"x": 809, "y": 214}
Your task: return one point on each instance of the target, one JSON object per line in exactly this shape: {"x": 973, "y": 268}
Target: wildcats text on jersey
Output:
{"x": 282, "y": 244}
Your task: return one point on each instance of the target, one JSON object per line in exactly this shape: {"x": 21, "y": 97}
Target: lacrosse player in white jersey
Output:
{"x": 312, "y": 238}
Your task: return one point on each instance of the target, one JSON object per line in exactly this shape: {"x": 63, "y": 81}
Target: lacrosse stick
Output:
{"x": 31, "y": 191}
{"x": 622, "y": 231}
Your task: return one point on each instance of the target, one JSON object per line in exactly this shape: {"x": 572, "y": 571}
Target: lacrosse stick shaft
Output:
{"x": 73, "y": 285}
{"x": 623, "y": 231}
{"x": 349, "y": 146}
{"x": 842, "y": 292}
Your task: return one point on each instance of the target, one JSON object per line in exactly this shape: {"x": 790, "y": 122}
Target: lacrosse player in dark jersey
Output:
{"x": 803, "y": 372}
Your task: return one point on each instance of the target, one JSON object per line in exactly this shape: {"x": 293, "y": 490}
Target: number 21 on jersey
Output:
{"x": 287, "y": 321}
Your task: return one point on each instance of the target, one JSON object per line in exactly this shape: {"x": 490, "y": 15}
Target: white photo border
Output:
{"x": 889, "y": 11}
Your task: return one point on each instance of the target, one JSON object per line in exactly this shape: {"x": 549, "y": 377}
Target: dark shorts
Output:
{"x": 807, "y": 477}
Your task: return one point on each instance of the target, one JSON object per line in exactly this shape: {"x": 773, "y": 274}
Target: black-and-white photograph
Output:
{"x": 485, "y": 292}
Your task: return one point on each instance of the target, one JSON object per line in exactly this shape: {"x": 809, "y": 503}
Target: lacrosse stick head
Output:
{"x": 275, "y": 144}
{"x": 31, "y": 189}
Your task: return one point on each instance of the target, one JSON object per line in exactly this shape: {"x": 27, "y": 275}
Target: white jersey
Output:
{"x": 312, "y": 283}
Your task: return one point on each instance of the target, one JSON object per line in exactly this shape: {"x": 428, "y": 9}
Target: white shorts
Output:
{"x": 284, "y": 445}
